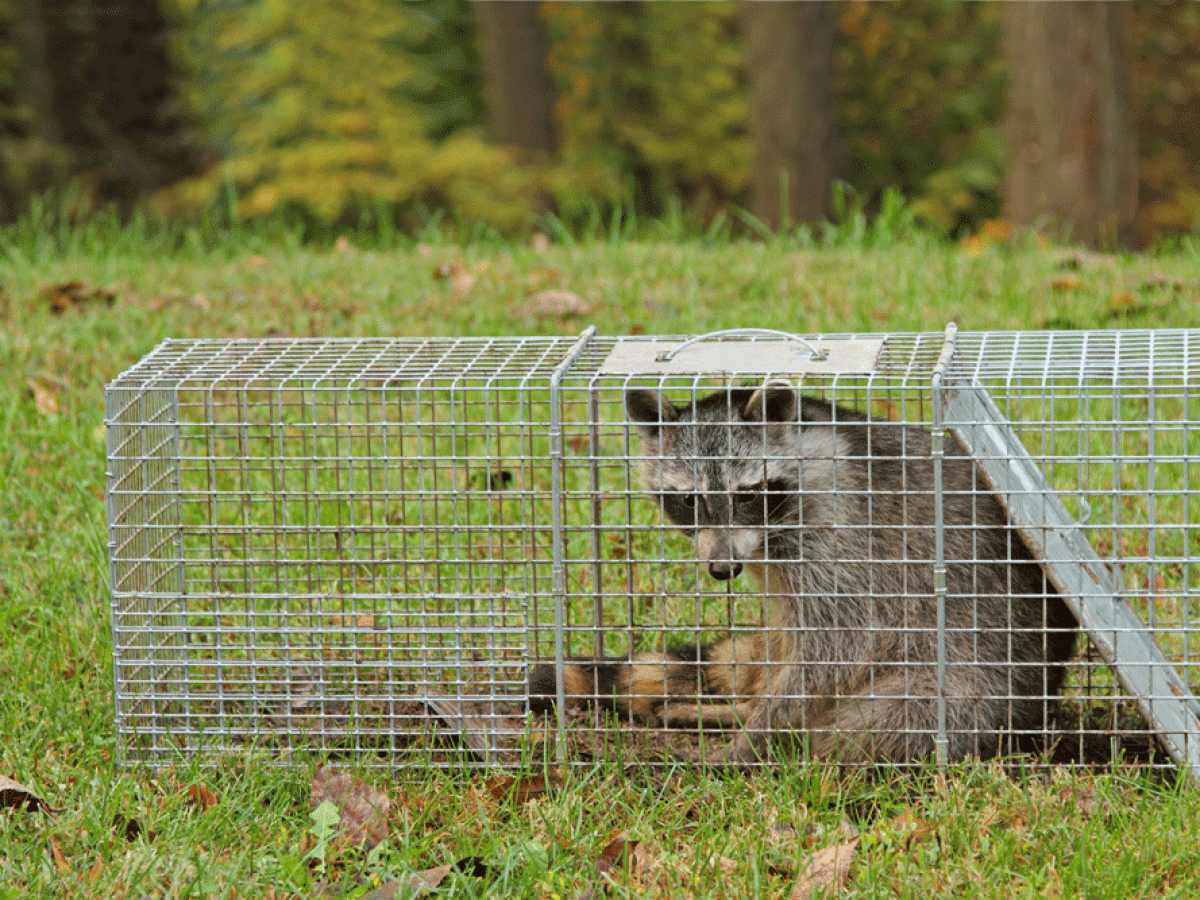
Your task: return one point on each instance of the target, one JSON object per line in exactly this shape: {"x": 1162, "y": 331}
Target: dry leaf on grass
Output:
{"x": 617, "y": 853}
{"x": 1085, "y": 801}
{"x": 526, "y": 787}
{"x": 73, "y": 294}
{"x": 44, "y": 398}
{"x": 364, "y": 809}
{"x": 13, "y": 794}
{"x": 60, "y": 861}
{"x": 131, "y": 828}
{"x": 201, "y": 797}
{"x": 429, "y": 879}
{"x": 554, "y": 304}
{"x": 828, "y": 868}
{"x": 1065, "y": 283}
{"x": 460, "y": 277}
{"x": 413, "y": 885}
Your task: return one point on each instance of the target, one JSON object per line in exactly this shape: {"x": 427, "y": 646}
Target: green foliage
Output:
{"x": 654, "y": 95}
{"x": 446, "y": 84}
{"x": 90, "y": 93}
{"x": 1164, "y": 50}
{"x": 14, "y": 117}
{"x": 309, "y": 107}
{"x": 329, "y": 112}
{"x": 920, "y": 93}
{"x": 652, "y": 101}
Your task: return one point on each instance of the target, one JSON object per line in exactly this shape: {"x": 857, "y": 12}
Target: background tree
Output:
{"x": 520, "y": 95}
{"x": 439, "y": 49}
{"x": 789, "y": 56}
{"x": 1072, "y": 150}
{"x": 102, "y": 87}
{"x": 311, "y": 107}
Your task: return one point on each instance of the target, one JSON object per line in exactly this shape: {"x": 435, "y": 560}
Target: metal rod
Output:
{"x": 938, "y": 454}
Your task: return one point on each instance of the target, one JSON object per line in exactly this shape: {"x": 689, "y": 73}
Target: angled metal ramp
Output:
{"x": 1079, "y": 575}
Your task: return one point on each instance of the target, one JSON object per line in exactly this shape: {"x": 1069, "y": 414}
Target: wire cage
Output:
{"x": 742, "y": 548}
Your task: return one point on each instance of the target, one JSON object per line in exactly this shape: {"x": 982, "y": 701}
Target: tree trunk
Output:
{"x": 103, "y": 88}
{"x": 1072, "y": 148}
{"x": 789, "y": 55}
{"x": 520, "y": 96}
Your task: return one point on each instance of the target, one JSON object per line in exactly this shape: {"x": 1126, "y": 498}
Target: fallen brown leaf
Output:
{"x": 1065, "y": 283}
{"x": 73, "y": 294}
{"x": 525, "y": 787}
{"x": 43, "y": 397}
{"x": 201, "y": 797}
{"x": 540, "y": 278}
{"x": 619, "y": 852}
{"x": 363, "y": 808}
{"x": 460, "y": 277}
{"x": 825, "y": 869}
{"x": 428, "y": 879}
{"x": 131, "y": 828}
{"x": 909, "y": 827}
{"x": 554, "y": 304}
{"x": 1085, "y": 801}
{"x": 60, "y": 861}
{"x": 414, "y": 885}
{"x": 616, "y": 853}
{"x": 13, "y": 794}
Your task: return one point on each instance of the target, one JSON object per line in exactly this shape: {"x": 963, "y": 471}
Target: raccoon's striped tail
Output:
{"x": 653, "y": 688}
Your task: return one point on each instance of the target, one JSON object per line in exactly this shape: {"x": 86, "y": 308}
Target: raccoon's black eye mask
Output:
{"x": 769, "y": 496}
{"x": 680, "y": 508}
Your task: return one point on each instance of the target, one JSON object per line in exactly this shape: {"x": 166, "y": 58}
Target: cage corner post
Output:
{"x": 146, "y": 578}
{"x": 558, "y": 579}
{"x": 938, "y": 454}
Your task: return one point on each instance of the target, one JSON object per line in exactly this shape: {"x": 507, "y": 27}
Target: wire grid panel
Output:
{"x": 766, "y": 582}
{"x": 334, "y": 545}
{"x": 1112, "y": 421}
{"x": 737, "y": 596}
{"x": 401, "y": 548}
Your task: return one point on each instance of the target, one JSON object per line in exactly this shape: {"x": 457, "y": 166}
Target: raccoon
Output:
{"x": 832, "y": 515}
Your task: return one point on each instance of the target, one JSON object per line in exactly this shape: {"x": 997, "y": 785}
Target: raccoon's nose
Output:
{"x": 723, "y": 570}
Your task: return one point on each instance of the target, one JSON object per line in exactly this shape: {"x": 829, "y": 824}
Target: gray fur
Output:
{"x": 832, "y": 515}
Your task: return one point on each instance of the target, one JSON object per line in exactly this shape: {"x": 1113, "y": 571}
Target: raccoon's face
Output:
{"x": 726, "y": 470}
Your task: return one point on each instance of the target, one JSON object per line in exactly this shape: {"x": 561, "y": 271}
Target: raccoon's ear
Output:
{"x": 648, "y": 409}
{"x": 773, "y": 402}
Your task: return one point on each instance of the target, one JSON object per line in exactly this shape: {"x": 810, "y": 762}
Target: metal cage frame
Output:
{"x": 363, "y": 546}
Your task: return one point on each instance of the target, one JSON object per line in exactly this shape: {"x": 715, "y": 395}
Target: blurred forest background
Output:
{"x": 335, "y": 114}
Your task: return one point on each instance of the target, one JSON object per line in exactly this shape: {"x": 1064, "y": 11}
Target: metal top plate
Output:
{"x": 791, "y": 357}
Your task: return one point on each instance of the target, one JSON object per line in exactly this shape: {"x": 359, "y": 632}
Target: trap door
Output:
{"x": 1081, "y": 577}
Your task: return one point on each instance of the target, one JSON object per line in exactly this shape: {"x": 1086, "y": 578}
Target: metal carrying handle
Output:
{"x": 815, "y": 352}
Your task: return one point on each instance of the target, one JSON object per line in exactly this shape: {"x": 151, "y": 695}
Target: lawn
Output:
{"x": 80, "y": 304}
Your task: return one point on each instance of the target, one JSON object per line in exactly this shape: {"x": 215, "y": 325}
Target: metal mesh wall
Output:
{"x": 383, "y": 547}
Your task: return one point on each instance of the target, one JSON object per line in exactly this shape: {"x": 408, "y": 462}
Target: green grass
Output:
{"x": 982, "y": 832}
